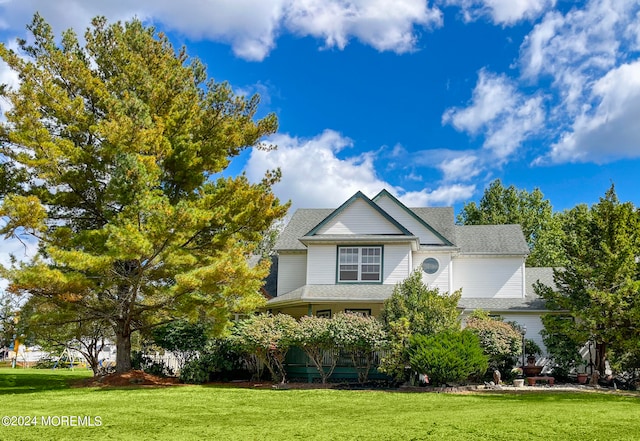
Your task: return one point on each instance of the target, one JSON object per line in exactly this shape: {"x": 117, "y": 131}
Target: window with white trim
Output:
{"x": 359, "y": 264}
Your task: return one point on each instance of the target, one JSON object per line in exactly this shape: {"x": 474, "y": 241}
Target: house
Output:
{"x": 350, "y": 259}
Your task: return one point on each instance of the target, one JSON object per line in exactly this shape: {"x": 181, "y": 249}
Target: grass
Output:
{"x": 205, "y": 412}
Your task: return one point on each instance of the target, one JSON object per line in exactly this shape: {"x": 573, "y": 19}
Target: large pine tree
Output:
{"x": 113, "y": 151}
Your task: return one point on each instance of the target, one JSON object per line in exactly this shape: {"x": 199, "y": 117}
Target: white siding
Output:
{"x": 489, "y": 277}
{"x": 292, "y": 271}
{"x": 533, "y": 324}
{"x": 409, "y": 222}
{"x": 359, "y": 218}
{"x": 441, "y": 278}
{"x": 396, "y": 263}
{"x": 321, "y": 264}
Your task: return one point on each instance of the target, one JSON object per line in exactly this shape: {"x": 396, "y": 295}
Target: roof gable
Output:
{"x": 359, "y": 215}
{"x": 411, "y": 220}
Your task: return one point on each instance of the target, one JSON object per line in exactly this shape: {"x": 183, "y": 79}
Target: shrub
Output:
{"x": 531, "y": 347}
{"x": 414, "y": 308}
{"x": 268, "y": 337}
{"x": 447, "y": 357}
{"x": 361, "y": 337}
{"x": 316, "y": 337}
{"x": 220, "y": 361}
{"x": 184, "y": 339}
{"x": 501, "y": 342}
{"x": 563, "y": 342}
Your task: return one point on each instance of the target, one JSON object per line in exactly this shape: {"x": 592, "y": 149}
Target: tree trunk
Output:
{"x": 601, "y": 356}
{"x": 123, "y": 347}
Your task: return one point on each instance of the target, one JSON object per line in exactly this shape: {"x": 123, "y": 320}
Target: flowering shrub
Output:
{"x": 361, "y": 337}
{"x": 316, "y": 336}
{"x": 500, "y": 341}
{"x": 269, "y": 337}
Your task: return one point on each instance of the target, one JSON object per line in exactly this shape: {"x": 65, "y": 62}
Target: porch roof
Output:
{"x": 334, "y": 293}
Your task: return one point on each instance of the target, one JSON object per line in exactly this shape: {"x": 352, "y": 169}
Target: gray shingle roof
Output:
{"x": 491, "y": 239}
{"x": 302, "y": 221}
{"x": 471, "y": 239}
{"x": 439, "y": 218}
{"x": 544, "y": 275}
{"x": 335, "y": 293}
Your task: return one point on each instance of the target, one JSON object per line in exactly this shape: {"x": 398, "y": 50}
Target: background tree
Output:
{"x": 55, "y": 325}
{"x": 9, "y": 314}
{"x": 600, "y": 285}
{"x": 500, "y": 205}
{"x": 414, "y": 308}
{"x": 121, "y": 143}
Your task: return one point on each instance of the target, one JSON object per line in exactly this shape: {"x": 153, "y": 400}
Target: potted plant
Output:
{"x": 532, "y": 349}
{"x": 519, "y": 380}
{"x": 582, "y": 377}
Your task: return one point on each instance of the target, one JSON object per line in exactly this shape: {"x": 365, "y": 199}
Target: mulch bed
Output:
{"x": 131, "y": 378}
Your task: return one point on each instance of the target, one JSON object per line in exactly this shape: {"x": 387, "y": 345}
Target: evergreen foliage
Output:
{"x": 113, "y": 152}
{"x": 600, "y": 284}
{"x": 448, "y": 356}
{"x": 414, "y": 308}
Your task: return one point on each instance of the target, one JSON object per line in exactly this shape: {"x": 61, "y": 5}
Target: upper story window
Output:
{"x": 360, "y": 264}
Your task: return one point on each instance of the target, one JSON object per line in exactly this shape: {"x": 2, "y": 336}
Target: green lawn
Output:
{"x": 202, "y": 412}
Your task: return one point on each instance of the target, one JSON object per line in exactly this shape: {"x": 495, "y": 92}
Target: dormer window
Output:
{"x": 360, "y": 264}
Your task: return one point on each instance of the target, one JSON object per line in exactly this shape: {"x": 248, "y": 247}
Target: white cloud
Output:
{"x": 578, "y": 47}
{"x": 497, "y": 109}
{"x": 251, "y": 27}
{"x": 610, "y": 130}
{"x": 463, "y": 168}
{"x": 11, "y": 79}
{"x": 504, "y": 12}
{"x": 491, "y": 96}
{"x": 445, "y": 195}
{"x": 589, "y": 54}
{"x": 21, "y": 251}
{"x": 455, "y": 165}
{"x": 314, "y": 176}
{"x": 373, "y": 22}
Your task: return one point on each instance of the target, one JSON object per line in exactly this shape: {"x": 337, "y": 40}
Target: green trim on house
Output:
{"x": 384, "y": 192}
{"x": 352, "y": 199}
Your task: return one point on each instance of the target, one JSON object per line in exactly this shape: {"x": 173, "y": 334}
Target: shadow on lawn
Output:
{"x": 18, "y": 381}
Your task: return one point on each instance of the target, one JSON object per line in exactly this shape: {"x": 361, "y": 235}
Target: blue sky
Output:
{"x": 429, "y": 99}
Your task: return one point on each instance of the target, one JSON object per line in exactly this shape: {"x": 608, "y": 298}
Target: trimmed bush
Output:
{"x": 447, "y": 357}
